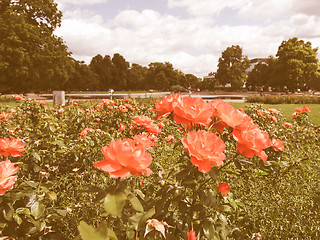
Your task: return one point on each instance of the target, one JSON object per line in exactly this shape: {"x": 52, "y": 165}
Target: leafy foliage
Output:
{"x": 232, "y": 66}
{"x": 297, "y": 63}
{"x": 60, "y": 195}
{"x": 32, "y": 58}
{"x": 279, "y": 99}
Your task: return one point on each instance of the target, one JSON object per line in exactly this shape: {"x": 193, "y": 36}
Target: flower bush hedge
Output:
{"x": 279, "y": 99}
{"x": 174, "y": 168}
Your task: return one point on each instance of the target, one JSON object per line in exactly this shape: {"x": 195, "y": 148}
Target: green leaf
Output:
{"x": 148, "y": 214}
{"x": 135, "y": 219}
{"x": 17, "y": 219}
{"x": 88, "y": 232}
{"x": 2, "y": 225}
{"x": 130, "y": 234}
{"x": 113, "y": 204}
{"x": 209, "y": 231}
{"x": 134, "y": 202}
{"x": 237, "y": 164}
{"x": 214, "y": 172}
{"x": 21, "y": 210}
{"x": 105, "y": 230}
{"x": 52, "y": 128}
{"x": 60, "y": 143}
{"x": 139, "y": 219}
{"x": 8, "y": 213}
{"x": 208, "y": 198}
{"x": 61, "y": 212}
{"x": 36, "y": 156}
{"x": 223, "y": 219}
{"x": 37, "y": 209}
{"x": 52, "y": 196}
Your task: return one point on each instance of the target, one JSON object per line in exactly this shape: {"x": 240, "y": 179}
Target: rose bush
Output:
{"x": 195, "y": 150}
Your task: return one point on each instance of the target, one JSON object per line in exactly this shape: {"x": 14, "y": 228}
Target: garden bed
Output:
{"x": 283, "y": 99}
{"x": 175, "y": 168}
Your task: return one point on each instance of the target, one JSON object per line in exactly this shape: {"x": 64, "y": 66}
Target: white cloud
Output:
{"x": 83, "y": 15}
{"x": 308, "y": 7}
{"x": 206, "y": 7}
{"x": 62, "y": 4}
{"x": 81, "y": 2}
{"x": 250, "y": 9}
{"x": 192, "y": 44}
{"x": 261, "y": 9}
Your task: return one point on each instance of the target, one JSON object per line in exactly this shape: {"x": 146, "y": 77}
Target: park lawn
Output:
{"x": 15, "y": 104}
{"x": 11, "y": 104}
{"x": 288, "y": 109}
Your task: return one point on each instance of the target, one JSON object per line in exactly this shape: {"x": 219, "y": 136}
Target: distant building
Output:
{"x": 209, "y": 78}
{"x": 254, "y": 62}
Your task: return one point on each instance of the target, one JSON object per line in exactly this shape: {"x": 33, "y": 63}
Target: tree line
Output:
{"x": 295, "y": 66}
{"x": 105, "y": 73}
{"x": 32, "y": 58}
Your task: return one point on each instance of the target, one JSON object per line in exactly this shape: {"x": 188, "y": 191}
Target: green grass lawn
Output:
{"x": 11, "y": 104}
{"x": 288, "y": 109}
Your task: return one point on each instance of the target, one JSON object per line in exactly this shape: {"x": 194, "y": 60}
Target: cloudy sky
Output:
{"x": 190, "y": 34}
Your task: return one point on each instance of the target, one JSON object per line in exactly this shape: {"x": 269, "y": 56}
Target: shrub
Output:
{"x": 224, "y": 192}
{"x": 178, "y": 89}
{"x": 279, "y": 99}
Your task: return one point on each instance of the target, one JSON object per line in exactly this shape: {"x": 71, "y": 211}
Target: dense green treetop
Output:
{"x": 297, "y": 63}
{"x": 232, "y": 66}
{"x": 262, "y": 74}
{"x": 31, "y": 57}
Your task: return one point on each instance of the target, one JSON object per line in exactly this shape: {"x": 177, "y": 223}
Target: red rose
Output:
{"x": 307, "y": 109}
{"x": 206, "y": 149}
{"x": 230, "y": 116}
{"x": 273, "y": 118}
{"x": 190, "y": 110}
{"x": 252, "y": 141}
{"x": 18, "y": 97}
{"x": 223, "y": 188}
{"x": 122, "y": 127}
{"x": 147, "y": 123}
{"x": 192, "y": 235}
{"x": 287, "y": 124}
{"x": 146, "y": 140}
{"x": 124, "y": 157}
{"x": 277, "y": 145}
{"x": 165, "y": 105}
{"x": 7, "y": 169}
{"x": 12, "y": 147}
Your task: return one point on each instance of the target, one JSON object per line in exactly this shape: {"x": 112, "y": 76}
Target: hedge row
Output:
{"x": 286, "y": 99}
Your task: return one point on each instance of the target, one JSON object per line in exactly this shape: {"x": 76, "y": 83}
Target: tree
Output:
{"x": 191, "y": 80}
{"x": 162, "y": 76}
{"x": 136, "y": 77}
{"x": 104, "y": 69}
{"x": 31, "y": 57}
{"x": 232, "y": 66}
{"x": 297, "y": 64}
{"x": 83, "y": 78}
{"x": 262, "y": 74}
{"x": 121, "y": 67}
